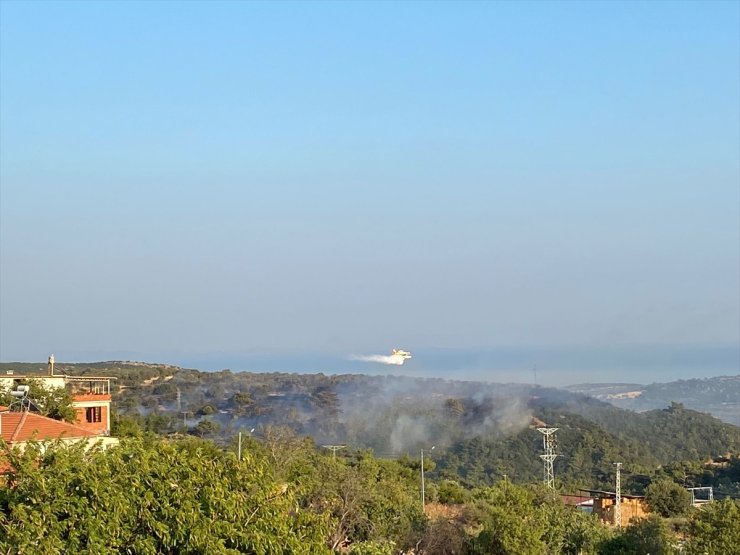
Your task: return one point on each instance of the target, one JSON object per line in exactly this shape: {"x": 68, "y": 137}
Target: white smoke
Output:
{"x": 409, "y": 431}
{"x": 396, "y": 360}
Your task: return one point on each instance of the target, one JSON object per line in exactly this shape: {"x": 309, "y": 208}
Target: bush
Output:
{"x": 451, "y": 492}
{"x": 667, "y": 498}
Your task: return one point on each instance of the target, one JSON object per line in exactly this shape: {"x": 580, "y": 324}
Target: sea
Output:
{"x": 542, "y": 365}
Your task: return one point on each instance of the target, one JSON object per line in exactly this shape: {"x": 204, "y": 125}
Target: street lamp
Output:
{"x": 422, "y": 477}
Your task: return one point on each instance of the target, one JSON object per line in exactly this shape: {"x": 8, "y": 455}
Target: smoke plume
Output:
{"x": 396, "y": 360}
{"x": 409, "y": 431}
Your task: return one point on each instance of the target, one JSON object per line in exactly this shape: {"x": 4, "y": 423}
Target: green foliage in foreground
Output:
{"x": 643, "y": 536}
{"x": 155, "y": 496}
{"x": 151, "y": 497}
{"x": 715, "y": 529}
{"x": 531, "y": 521}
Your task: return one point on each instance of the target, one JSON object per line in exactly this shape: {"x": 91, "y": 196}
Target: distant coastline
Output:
{"x": 555, "y": 365}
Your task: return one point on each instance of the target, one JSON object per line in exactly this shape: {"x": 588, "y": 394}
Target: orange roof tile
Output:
{"x": 90, "y": 397}
{"x": 22, "y": 426}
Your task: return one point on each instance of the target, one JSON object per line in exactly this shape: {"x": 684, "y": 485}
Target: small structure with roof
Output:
{"x": 91, "y": 395}
{"x": 17, "y": 428}
{"x": 632, "y": 506}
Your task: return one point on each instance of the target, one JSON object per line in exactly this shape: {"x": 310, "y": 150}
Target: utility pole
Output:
{"x": 618, "y": 500}
{"x": 423, "y": 503}
{"x": 334, "y": 449}
{"x": 179, "y": 400}
{"x": 239, "y": 448}
{"x": 549, "y": 444}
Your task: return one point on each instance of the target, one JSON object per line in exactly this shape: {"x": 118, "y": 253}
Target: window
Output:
{"x": 94, "y": 414}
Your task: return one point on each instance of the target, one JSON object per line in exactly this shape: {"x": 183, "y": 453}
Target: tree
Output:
{"x": 667, "y": 498}
{"x": 643, "y": 536}
{"x": 54, "y": 402}
{"x": 124, "y": 426}
{"x": 443, "y": 537}
{"x": 582, "y": 533}
{"x": 715, "y": 529}
{"x": 509, "y": 524}
{"x": 241, "y": 402}
{"x": 567, "y": 530}
{"x": 370, "y": 502}
{"x": 450, "y": 492}
{"x": 206, "y": 428}
{"x": 150, "y": 496}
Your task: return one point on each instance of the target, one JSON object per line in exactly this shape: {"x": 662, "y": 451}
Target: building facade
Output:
{"x": 91, "y": 395}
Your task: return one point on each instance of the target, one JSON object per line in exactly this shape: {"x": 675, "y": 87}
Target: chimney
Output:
{"x": 51, "y": 365}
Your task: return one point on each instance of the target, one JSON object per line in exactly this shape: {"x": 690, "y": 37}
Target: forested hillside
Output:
{"x": 719, "y": 396}
{"x": 481, "y": 431}
{"x": 165, "y": 491}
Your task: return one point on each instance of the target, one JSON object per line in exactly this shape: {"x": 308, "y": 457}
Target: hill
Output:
{"x": 481, "y": 430}
{"x": 127, "y": 372}
{"x": 719, "y": 396}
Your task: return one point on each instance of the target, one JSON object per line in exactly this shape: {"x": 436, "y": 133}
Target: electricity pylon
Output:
{"x": 549, "y": 444}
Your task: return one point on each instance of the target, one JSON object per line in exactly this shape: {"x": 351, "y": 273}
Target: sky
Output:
{"x": 193, "y": 182}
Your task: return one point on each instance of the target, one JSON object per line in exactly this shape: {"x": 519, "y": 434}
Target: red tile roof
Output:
{"x": 90, "y": 397}
{"x": 22, "y": 426}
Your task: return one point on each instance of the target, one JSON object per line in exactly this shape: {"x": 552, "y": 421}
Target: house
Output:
{"x": 91, "y": 395}
{"x": 17, "y": 428}
{"x": 631, "y": 506}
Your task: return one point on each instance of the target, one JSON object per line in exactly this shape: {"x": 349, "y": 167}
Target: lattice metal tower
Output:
{"x": 549, "y": 444}
{"x": 618, "y": 499}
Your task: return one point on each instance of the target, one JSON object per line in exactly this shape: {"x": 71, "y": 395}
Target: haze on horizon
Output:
{"x": 204, "y": 181}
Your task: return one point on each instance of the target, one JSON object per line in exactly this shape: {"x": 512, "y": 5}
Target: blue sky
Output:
{"x": 197, "y": 179}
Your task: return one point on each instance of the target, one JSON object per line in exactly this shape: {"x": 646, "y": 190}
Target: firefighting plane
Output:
{"x": 400, "y": 353}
